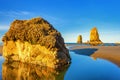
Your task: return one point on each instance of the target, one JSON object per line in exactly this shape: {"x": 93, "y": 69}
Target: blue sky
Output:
{"x": 70, "y": 17}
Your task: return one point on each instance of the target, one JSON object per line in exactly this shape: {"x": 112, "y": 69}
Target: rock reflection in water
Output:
{"x": 23, "y": 71}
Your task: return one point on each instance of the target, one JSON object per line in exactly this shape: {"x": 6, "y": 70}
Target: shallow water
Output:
{"x": 82, "y": 68}
{"x": 86, "y": 68}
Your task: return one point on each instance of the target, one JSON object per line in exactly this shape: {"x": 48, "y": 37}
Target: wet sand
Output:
{"x": 110, "y": 53}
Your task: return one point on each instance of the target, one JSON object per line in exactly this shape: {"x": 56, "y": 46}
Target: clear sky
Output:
{"x": 70, "y": 17}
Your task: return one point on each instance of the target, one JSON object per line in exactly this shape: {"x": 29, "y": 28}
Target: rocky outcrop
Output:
{"x": 94, "y": 37}
{"x": 35, "y": 41}
{"x": 23, "y": 71}
{"x": 79, "y": 39}
{"x": 117, "y": 43}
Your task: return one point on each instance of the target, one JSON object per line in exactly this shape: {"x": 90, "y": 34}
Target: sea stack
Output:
{"x": 79, "y": 39}
{"x": 35, "y": 41}
{"x": 94, "y": 37}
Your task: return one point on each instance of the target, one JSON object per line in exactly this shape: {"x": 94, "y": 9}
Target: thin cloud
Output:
{"x": 25, "y": 12}
{"x": 53, "y": 19}
{"x": 4, "y": 27}
{"x": 14, "y": 13}
{"x": 19, "y": 12}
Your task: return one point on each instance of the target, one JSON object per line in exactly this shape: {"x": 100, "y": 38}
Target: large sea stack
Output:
{"x": 79, "y": 39}
{"x": 94, "y": 37}
{"x": 35, "y": 41}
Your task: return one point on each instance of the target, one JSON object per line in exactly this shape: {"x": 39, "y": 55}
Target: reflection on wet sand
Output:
{"x": 113, "y": 59}
{"x": 110, "y": 53}
{"x": 22, "y": 71}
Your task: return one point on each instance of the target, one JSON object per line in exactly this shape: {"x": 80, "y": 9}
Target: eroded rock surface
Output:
{"x": 94, "y": 37}
{"x": 79, "y": 39}
{"x": 35, "y": 41}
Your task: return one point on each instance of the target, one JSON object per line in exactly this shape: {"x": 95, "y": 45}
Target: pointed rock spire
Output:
{"x": 79, "y": 39}
{"x": 94, "y": 37}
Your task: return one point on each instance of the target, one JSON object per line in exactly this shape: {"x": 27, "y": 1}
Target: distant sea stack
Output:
{"x": 35, "y": 41}
{"x": 117, "y": 43}
{"x": 94, "y": 37}
{"x": 79, "y": 39}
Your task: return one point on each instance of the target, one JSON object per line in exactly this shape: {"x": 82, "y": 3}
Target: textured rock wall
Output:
{"x": 36, "y": 54}
{"x": 35, "y": 41}
{"x": 94, "y": 37}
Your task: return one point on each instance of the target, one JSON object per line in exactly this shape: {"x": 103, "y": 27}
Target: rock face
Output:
{"x": 94, "y": 37}
{"x": 35, "y": 41}
{"x": 79, "y": 39}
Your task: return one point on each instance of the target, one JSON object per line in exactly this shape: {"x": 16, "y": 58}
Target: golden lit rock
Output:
{"x": 23, "y": 71}
{"x": 79, "y": 39}
{"x": 35, "y": 41}
{"x": 117, "y": 42}
{"x": 94, "y": 37}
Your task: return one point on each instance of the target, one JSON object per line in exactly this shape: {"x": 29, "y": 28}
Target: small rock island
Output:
{"x": 35, "y": 41}
{"x": 94, "y": 37}
{"x": 79, "y": 39}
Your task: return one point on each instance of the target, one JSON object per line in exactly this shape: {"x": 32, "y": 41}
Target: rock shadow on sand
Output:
{"x": 86, "y": 51}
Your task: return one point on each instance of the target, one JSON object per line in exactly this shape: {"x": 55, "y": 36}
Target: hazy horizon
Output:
{"x": 70, "y": 17}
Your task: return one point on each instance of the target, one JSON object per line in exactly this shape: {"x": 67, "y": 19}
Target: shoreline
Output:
{"x": 110, "y": 53}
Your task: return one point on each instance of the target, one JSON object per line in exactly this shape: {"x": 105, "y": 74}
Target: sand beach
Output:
{"x": 110, "y": 53}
